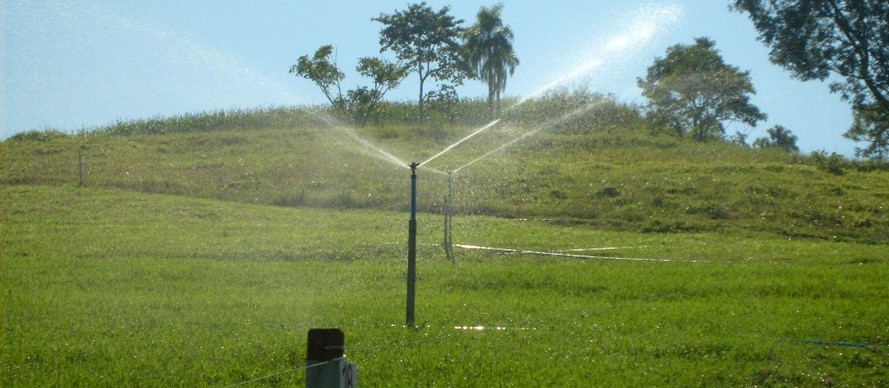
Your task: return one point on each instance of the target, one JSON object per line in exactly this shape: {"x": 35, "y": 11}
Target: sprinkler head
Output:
{"x": 414, "y": 166}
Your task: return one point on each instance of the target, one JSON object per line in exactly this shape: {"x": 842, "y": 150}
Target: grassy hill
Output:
{"x": 596, "y": 173}
{"x": 199, "y": 250}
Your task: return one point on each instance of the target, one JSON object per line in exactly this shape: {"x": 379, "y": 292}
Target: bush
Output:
{"x": 41, "y": 136}
{"x": 833, "y": 163}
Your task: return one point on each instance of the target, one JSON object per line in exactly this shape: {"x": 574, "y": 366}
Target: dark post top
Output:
{"x": 325, "y": 344}
{"x": 414, "y": 166}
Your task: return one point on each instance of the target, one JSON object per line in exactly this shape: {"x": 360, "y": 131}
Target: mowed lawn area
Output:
{"x": 107, "y": 287}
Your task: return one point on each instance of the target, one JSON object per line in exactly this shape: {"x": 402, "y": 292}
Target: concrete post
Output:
{"x": 326, "y": 365}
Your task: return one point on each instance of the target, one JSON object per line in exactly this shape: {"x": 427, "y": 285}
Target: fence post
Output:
{"x": 326, "y": 365}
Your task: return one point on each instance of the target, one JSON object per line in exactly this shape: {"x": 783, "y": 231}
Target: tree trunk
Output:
{"x": 420, "y": 115}
{"x": 422, "y": 82}
{"x": 497, "y": 104}
{"x": 490, "y": 102}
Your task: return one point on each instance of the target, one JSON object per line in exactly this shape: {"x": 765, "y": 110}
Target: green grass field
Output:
{"x": 110, "y": 287}
{"x": 199, "y": 251}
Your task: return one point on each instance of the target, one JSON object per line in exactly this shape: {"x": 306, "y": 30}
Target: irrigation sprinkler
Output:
{"x": 412, "y": 248}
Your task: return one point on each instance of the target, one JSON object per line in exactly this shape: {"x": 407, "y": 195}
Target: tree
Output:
{"x": 490, "y": 54}
{"x": 870, "y": 125}
{"x": 692, "y": 90}
{"x": 444, "y": 101}
{"x": 848, "y": 38}
{"x": 361, "y": 100}
{"x": 779, "y": 137}
{"x": 739, "y": 138}
{"x": 385, "y": 76}
{"x": 427, "y": 41}
{"x": 323, "y": 72}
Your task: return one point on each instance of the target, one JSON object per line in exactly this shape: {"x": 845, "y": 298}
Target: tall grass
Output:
{"x": 222, "y": 120}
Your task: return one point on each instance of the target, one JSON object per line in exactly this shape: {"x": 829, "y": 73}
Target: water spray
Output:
{"x": 369, "y": 149}
{"x": 448, "y": 241}
{"x": 412, "y": 248}
{"x": 448, "y": 148}
{"x": 548, "y": 124}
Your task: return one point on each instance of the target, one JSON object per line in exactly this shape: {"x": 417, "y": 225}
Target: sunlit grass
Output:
{"x": 200, "y": 249}
{"x": 108, "y": 287}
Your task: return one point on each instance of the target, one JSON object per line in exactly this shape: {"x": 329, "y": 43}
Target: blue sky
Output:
{"x": 79, "y": 64}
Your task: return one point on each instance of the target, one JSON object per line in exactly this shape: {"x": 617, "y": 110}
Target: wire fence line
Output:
{"x": 558, "y": 253}
{"x": 571, "y": 255}
{"x": 266, "y": 377}
{"x": 462, "y": 328}
{"x": 369, "y": 348}
{"x": 401, "y": 344}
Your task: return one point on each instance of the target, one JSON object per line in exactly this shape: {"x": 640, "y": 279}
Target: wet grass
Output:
{"x": 113, "y": 287}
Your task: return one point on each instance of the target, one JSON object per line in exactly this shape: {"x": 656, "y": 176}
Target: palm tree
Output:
{"x": 489, "y": 53}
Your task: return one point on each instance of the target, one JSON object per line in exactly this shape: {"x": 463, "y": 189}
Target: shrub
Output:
{"x": 610, "y": 192}
{"x": 833, "y": 163}
{"x": 41, "y": 136}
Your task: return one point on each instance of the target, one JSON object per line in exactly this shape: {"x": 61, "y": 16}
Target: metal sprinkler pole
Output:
{"x": 412, "y": 248}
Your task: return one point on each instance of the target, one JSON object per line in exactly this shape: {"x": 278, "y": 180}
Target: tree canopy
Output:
{"x": 815, "y": 39}
{"x": 323, "y": 72}
{"x": 427, "y": 41}
{"x": 384, "y": 75}
{"x": 870, "y": 125}
{"x": 779, "y": 137}
{"x": 361, "y": 100}
{"x": 692, "y": 90}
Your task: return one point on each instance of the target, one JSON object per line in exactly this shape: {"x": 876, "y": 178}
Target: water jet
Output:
{"x": 447, "y": 242}
{"x": 448, "y": 148}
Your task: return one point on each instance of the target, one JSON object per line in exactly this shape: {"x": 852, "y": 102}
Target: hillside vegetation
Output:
{"x": 602, "y": 169}
{"x": 199, "y": 250}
